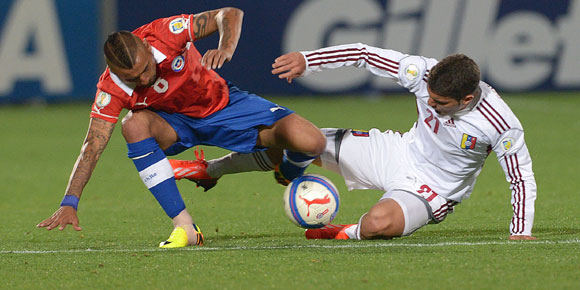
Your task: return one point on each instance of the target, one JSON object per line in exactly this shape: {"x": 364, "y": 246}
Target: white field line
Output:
{"x": 259, "y": 248}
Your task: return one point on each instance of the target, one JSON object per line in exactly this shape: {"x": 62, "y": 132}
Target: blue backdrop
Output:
{"x": 520, "y": 45}
{"x": 51, "y": 49}
{"x": 48, "y": 49}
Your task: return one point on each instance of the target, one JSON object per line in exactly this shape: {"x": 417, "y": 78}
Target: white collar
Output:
{"x": 158, "y": 55}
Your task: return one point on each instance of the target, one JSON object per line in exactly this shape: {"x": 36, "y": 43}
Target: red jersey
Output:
{"x": 182, "y": 85}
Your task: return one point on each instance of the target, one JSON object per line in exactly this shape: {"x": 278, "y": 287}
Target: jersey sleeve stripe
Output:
{"x": 519, "y": 191}
{"x": 490, "y": 113}
{"x": 104, "y": 115}
{"x": 370, "y": 61}
{"x": 363, "y": 50}
{"x": 498, "y": 114}
{"x": 481, "y": 111}
{"x": 523, "y": 194}
{"x": 339, "y": 58}
{"x": 494, "y": 117}
{"x": 515, "y": 209}
{"x": 338, "y": 55}
{"x": 358, "y": 56}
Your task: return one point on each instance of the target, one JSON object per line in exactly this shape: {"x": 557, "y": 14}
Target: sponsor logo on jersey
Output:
{"x": 103, "y": 99}
{"x": 468, "y": 141}
{"x": 178, "y": 63}
{"x": 274, "y": 109}
{"x": 176, "y": 25}
{"x": 507, "y": 143}
{"x": 411, "y": 72}
{"x": 360, "y": 133}
{"x": 450, "y": 123}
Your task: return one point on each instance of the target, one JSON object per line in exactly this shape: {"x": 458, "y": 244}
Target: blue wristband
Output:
{"x": 70, "y": 200}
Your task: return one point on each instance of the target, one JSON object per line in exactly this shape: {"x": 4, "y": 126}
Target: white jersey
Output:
{"x": 448, "y": 152}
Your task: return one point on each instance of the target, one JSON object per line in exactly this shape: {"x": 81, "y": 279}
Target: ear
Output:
{"x": 467, "y": 99}
{"x": 146, "y": 44}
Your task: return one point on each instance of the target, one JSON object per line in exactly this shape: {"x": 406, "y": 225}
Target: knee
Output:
{"x": 318, "y": 144}
{"x": 134, "y": 123}
{"x": 378, "y": 227}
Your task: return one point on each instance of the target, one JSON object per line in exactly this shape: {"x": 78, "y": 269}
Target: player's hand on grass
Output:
{"x": 64, "y": 216}
{"x": 215, "y": 58}
{"x": 289, "y": 66}
{"x": 519, "y": 238}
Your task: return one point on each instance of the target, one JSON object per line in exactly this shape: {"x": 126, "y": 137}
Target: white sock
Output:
{"x": 353, "y": 232}
{"x": 237, "y": 163}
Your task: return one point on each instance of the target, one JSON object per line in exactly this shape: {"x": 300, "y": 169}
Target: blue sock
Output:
{"x": 294, "y": 164}
{"x": 157, "y": 174}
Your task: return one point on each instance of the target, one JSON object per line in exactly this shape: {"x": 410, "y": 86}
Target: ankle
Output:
{"x": 182, "y": 219}
{"x": 191, "y": 233}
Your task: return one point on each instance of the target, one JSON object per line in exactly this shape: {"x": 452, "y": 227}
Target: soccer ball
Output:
{"x": 311, "y": 201}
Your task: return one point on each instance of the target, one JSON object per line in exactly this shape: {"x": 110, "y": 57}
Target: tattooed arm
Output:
{"x": 98, "y": 136}
{"x": 228, "y": 21}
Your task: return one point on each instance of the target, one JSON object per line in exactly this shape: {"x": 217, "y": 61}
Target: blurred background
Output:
{"x": 50, "y": 50}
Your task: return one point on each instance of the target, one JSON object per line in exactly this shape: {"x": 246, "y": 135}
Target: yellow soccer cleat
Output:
{"x": 178, "y": 238}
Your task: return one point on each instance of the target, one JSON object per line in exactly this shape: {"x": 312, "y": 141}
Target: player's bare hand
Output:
{"x": 64, "y": 216}
{"x": 520, "y": 238}
{"x": 289, "y": 66}
{"x": 215, "y": 58}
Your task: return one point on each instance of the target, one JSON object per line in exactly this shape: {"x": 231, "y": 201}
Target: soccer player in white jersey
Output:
{"x": 426, "y": 171}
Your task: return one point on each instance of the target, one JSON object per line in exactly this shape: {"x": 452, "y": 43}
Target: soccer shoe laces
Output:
{"x": 194, "y": 170}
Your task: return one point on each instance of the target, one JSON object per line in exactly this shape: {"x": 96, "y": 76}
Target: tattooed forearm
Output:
{"x": 95, "y": 142}
{"x": 200, "y": 25}
{"x": 229, "y": 22}
{"x": 204, "y": 24}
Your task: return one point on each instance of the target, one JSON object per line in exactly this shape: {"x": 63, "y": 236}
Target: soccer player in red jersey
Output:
{"x": 176, "y": 101}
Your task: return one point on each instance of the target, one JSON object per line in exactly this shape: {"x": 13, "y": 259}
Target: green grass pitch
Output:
{"x": 250, "y": 244}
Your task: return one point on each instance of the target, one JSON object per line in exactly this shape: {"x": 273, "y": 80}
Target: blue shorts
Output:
{"x": 234, "y": 127}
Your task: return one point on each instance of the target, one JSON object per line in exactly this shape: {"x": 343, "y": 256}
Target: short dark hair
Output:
{"x": 121, "y": 49}
{"x": 455, "y": 76}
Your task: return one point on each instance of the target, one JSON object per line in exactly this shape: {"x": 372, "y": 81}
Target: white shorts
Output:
{"x": 366, "y": 159}
{"x": 378, "y": 160}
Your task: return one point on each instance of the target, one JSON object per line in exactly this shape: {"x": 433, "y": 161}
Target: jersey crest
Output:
{"x": 177, "y": 25}
{"x": 507, "y": 144}
{"x": 468, "y": 141}
{"x": 103, "y": 99}
{"x": 178, "y": 63}
{"x": 360, "y": 133}
{"x": 411, "y": 72}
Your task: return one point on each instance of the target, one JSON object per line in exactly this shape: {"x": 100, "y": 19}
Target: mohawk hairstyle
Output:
{"x": 455, "y": 76}
{"x": 121, "y": 49}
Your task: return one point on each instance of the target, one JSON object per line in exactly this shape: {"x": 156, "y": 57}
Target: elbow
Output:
{"x": 233, "y": 11}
